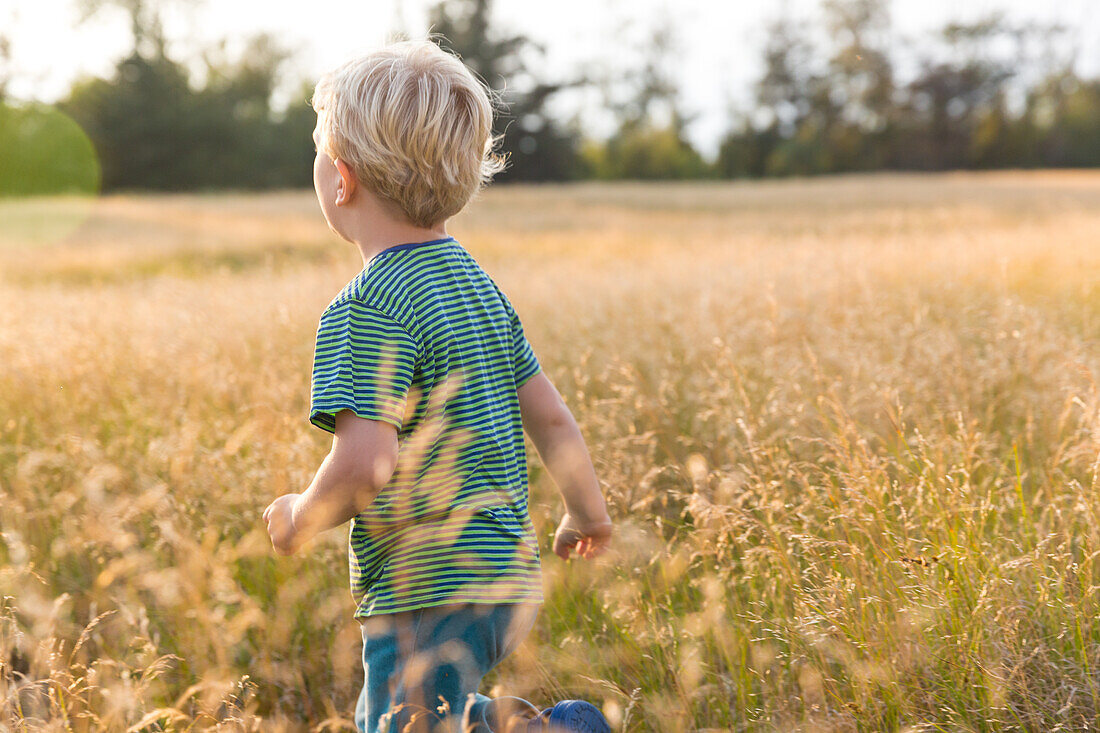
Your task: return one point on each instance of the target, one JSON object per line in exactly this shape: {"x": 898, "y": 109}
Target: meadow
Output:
{"x": 848, "y": 427}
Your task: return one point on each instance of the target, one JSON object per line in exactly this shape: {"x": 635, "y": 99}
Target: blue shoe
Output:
{"x": 570, "y": 715}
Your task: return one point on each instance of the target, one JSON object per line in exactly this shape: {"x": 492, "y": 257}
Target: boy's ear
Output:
{"x": 345, "y": 188}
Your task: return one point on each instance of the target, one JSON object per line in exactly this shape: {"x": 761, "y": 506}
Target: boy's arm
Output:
{"x": 551, "y": 427}
{"x": 361, "y": 462}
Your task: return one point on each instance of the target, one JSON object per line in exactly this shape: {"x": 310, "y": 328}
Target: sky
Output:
{"x": 715, "y": 64}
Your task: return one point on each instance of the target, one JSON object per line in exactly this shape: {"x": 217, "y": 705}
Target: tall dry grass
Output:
{"x": 849, "y": 429}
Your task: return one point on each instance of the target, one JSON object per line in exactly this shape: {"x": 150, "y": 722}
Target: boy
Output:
{"x": 424, "y": 376}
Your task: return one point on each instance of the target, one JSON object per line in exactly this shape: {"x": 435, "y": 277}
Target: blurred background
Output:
{"x": 191, "y": 95}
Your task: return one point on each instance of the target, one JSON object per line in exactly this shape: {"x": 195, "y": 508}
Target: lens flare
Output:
{"x": 44, "y": 152}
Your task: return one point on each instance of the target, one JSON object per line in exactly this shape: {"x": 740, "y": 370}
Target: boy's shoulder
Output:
{"x": 378, "y": 288}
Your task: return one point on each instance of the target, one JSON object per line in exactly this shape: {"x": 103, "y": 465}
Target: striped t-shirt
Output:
{"x": 423, "y": 339}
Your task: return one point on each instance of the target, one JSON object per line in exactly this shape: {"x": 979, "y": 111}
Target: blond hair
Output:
{"x": 414, "y": 124}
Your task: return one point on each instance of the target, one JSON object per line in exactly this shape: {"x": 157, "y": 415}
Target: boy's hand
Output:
{"x": 280, "y": 524}
{"x": 589, "y": 540}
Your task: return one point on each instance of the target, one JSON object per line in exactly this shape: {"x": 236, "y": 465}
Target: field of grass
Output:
{"x": 849, "y": 429}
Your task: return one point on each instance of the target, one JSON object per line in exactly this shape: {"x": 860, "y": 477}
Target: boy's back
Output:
{"x": 424, "y": 340}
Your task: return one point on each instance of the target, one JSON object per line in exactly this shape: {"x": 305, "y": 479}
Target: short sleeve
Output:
{"x": 363, "y": 362}
{"x": 523, "y": 356}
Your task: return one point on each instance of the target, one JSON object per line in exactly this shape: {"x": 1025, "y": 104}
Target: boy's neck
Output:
{"x": 375, "y": 229}
{"x": 369, "y": 248}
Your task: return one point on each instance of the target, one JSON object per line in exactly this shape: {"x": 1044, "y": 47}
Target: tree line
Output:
{"x": 984, "y": 94}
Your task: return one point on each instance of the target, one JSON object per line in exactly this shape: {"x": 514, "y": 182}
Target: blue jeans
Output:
{"x": 414, "y": 658}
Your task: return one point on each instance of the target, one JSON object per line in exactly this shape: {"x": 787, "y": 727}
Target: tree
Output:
{"x": 538, "y": 147}
{"x": 5, "y": 66}
{"x": 860, "y": 82}
{"x": 798, "y": 100}
{"x": 252, "y": 146}
{"x": 645, "y": 146}
{"x": 153, "y": 130}
{"x": 860, "y": 68}
{"x": 785, "y": 91}
{"x": 146, "y": 29}
{"x": 645, "y": 151}
{"x": 141, "y": 122}
{"x": 744, "y": 150}
{"x": 961, "y": 91}
{"x": 1062, "y": 119}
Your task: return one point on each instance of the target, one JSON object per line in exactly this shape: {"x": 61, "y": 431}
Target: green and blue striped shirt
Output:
{"x": 423, "y": 339}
